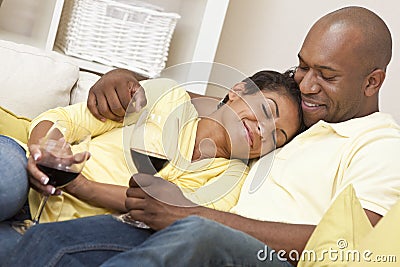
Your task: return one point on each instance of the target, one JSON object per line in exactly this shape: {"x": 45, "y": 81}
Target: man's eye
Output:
{"x": 328, "y": 78}
{"x": 302, "y": 68}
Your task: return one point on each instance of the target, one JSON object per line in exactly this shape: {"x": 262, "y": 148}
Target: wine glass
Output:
{"x": 148, "y": 158}
{"x": 64, "y": 151}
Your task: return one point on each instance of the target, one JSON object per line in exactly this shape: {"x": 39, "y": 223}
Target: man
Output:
{"x": 342, "y": 66}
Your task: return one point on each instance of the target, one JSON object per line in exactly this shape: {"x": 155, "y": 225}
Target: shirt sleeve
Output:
{"x": 78, "y": 114}
{"x": 221, "y": 192}
{"x": 374, "y": 170}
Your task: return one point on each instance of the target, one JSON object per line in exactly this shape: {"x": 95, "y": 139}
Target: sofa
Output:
{"x": 33, "y": 80}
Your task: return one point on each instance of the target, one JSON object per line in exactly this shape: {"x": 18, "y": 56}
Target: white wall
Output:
{"x": 267, "y": 34}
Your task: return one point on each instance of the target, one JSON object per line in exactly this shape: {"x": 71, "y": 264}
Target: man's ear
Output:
{"x": 374, "y": 82}
{"x": 236, "y": 91}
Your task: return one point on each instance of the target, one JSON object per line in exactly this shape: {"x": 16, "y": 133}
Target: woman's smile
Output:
{"x": 249, "y": 134}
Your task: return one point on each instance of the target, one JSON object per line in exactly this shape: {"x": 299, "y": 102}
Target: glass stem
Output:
{"x": 41, "y": 207}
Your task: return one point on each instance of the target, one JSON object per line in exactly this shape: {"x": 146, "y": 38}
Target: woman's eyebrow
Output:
{"x": 265, "y": 111}
{"x": 276, "y": 107}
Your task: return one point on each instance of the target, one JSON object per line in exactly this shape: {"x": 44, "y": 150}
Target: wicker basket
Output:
{"x": 135, "y": 36}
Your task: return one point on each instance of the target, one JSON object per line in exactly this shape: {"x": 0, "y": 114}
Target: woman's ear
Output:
{"x": 236, "y": 91}
{"x": 374, "y": 82}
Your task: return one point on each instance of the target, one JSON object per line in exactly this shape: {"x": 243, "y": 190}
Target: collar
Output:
{"x": 355, "y": 126}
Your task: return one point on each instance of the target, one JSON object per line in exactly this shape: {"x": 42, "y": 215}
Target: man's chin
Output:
{"x": 310, "y": 121}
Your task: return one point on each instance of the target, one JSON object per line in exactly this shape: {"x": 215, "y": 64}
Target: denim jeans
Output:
{"x": 102, "y": 240}
{"x": 13, "y": 177}
{"x": 13, "y": 190}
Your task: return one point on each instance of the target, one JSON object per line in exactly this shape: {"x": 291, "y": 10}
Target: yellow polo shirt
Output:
{"x": 309, "y": 172}
{"x": 212, "y": 182}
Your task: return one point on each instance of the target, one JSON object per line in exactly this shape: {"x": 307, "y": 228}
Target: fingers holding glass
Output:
{"x": 63, "y": 153}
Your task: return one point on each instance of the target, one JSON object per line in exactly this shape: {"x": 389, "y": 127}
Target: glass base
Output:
{"x": 22, "y": 226}
{"x": 126, "y": 218}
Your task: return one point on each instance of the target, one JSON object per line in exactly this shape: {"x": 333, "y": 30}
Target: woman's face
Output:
{"x": 258, "y": 123}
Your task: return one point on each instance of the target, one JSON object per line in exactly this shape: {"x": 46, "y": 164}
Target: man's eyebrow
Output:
{"x": 318, "y": 66}
{"x": 300, "y": 58}
{"x": 325, "y": 68}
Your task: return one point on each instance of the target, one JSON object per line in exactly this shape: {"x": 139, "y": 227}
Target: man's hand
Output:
{"x": 156, "y": 202}
{"x": 110, "y": 96}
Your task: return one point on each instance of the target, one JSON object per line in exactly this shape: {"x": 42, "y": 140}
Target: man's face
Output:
{"x": 258, "y": 122}
{"x": 330, "y": 76}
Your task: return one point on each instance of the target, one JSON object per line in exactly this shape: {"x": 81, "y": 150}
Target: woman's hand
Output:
{"x": 55, "y": 152}
{"x": 37, "y": 179}
{"x": 109, "y": 97}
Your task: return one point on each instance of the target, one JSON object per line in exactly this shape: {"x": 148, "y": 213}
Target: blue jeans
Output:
{"x": 14, "y": 187}
{"x": 13, "y": 177}
{"x": 102, "y": 240}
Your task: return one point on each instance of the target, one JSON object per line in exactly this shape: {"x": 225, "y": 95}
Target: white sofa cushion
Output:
{"x": 81, "y": 90}
{"x": 33, "y": 80}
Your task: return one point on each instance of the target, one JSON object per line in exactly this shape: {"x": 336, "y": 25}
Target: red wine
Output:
{"x": 147, "y": 164}
{"x": 57, "y": 178}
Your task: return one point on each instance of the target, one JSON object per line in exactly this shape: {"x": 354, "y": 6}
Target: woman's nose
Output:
{"x": 265, "y": 126}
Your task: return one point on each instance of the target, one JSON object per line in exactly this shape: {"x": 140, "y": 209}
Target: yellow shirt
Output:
{"x": 213, "y": 182}
{"x": 310, "y": 171}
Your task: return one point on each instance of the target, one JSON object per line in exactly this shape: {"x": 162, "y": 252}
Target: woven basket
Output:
{"x": 135, "y": 36}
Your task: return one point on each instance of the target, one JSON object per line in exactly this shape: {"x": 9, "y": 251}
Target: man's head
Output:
{"x": 342, "y": 65}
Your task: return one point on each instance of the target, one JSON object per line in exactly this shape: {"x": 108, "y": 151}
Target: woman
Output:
{"x": 237, "y": 130}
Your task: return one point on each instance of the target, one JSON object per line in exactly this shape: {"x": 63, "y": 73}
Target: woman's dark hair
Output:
{"x": 273, "y": 81}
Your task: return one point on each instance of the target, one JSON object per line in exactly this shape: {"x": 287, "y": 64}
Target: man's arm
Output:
{"x": 159, "y": 203}
{"x": 278, "y": 236}
{"x": 110, "y": 96}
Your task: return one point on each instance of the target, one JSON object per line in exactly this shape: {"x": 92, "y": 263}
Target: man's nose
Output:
{"x": 309, "y": 83}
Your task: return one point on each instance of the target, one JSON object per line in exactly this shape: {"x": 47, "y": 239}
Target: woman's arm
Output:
{"x": 39, "y": 131}
{"x": 99, "y": 194}
{"x": 78, "y": 114}
{"x": 102, "y": 195}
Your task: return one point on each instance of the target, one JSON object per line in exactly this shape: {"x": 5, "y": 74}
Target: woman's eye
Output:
{"x": 273, "y": 135}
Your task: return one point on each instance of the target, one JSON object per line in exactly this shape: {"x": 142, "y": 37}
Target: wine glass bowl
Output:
{"x": 63, "y": 153}
{"x": 147, "y": 152}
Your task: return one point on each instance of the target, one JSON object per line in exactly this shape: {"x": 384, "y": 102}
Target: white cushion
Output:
{"x": 33, "y": 80}
{"x": 81, "y": 91}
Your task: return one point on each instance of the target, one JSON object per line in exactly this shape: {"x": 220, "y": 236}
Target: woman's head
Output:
{"x": 266, "y": 113}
